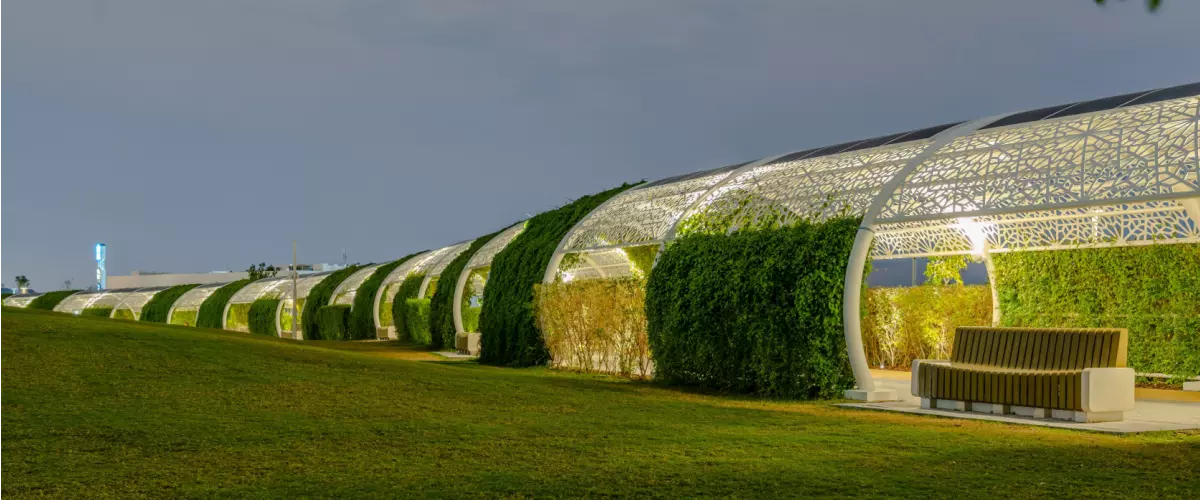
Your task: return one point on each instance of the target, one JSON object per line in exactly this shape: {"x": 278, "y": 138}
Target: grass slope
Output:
{"x": 95, "y": 407}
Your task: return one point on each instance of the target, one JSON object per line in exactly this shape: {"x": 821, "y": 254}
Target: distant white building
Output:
{"x": 142, "y": 279}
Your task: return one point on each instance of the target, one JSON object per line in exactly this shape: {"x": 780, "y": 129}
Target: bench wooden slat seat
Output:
{"x": 997, "y": 369}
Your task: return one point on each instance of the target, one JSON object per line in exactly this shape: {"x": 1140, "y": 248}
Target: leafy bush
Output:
{"x": 48, "y": 300}
{"x": 408, "y": 290}
{"x": 184, "y": 317}
{"x": 362, "y": 316}
{"x": 907, "y": 323}
{"x": 1153, "y": 290}
{"x": 509, "y": 335}
{"x": 212, "y": 310}
{"x": 124, "y": 313}
{"x": 262, "y": 317}
{"x": 441, "y": 307}
{"x": 757, "y": 311}
{"x": 318, "y": 297}
{"x": 335, "y": 321}
{"x": 416, "y": 318}
{"x": 156, "y": 310}
{"x": 238, "y": 318}
{"x": 596, "y": 325}
{"x": 103, "y": 312}
{"x": 641, "y": 259}
{"x": 386, "y": 317}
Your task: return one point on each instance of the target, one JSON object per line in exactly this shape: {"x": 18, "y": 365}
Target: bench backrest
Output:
{"x": 1041, "y": 348}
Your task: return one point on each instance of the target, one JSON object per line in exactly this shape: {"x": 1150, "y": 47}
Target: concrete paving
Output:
{"x": 1147, "y": 415}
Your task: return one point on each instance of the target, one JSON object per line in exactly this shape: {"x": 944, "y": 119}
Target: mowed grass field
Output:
{"x": 102, "y": 408}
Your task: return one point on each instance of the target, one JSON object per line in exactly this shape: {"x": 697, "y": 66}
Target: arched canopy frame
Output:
{"x": 192, "y": 299}
{"x": 348, "y": 289}
{"x": 137, "y": 299}
{"x": 21, "y": 301}
{"x": 388, "y": 289}
{"x": 480, "y": 259}
{"x": 263, "y": 288}
{"x": 304, "y": 284}
{"x": 77, "y": 302}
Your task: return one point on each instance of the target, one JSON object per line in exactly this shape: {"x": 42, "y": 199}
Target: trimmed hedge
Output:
{"x": 416, "y": 317}
{"x": 362, "y": 315}
{"x": 238, "y": 318}
{"x": 408, "y": 290}
{"x": 317, "y": 298}
{"x": 509, "y": 334}
{"x": 103, "y": 312}
{"x": 918, "y": 322}
{"x": 212, "y": 311}
{"x": 48, "y": 300}
{"x": 758, "y": 311}
{"x": 1153, "y": 290}
{"x": 441, "y": 307}
{"x": 184, "y": 317}
{"x": 335, "y": 321}
{"x": 262, "y": 317}
{"x": 124, "y": 313}
{"x": 156, "y": 310}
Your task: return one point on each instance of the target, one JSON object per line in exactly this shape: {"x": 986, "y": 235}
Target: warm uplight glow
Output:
{"x": 975, "y": 231}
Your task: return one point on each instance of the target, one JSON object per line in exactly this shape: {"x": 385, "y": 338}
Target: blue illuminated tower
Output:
{"x": 101, "y": 272}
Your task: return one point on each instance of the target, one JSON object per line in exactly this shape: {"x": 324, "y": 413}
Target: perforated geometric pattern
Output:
{"x": 485, "y": 254}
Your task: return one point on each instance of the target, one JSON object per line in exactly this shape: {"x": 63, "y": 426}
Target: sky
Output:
{"x": 197, "y": 136}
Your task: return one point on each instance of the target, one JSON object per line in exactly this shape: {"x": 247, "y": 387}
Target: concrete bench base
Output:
{"x": 1023, "y": 411}
{"x": 467, "y": 343}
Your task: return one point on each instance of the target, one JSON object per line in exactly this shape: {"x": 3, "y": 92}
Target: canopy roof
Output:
{"x": 345, "y": 292}
{"x": 1115, "y": 171}
{"x": 134, "y": 301}
{"x": 96, "y": 298}
{"x": 20, "y": 300}
{"x": 192, "y": 299}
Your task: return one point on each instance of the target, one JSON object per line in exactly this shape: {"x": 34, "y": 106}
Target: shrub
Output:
{"x": 758, "y": 311}
{"x": 335, "y": 321}
{"x": 1153, "y": 291}
{"x": 408, "y": 290}
{"x": 595, "y": 325}
{"x": 103, "y": 312}
{"x": 907, "y": 323}
{"x": 261, "y": 317}
{"x": 156, "y": 310}
{"x": 318, "y": 297}
{"x": 124, "y": 313}
{"x": 185, "y": 318}
{"x": 48, "y": 300}
{"x": 416, "y": 318}
{"x": 362, "y": 315}
{"x": 441, "y": 306}
{"x": 509, "y": 335}
{"x": 212, "y": 310}
{"x": 238, "y": 318}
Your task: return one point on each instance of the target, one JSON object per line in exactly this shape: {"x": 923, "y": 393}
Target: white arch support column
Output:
{"x": 991, "y": 275}
{"x": 852, "y": 290}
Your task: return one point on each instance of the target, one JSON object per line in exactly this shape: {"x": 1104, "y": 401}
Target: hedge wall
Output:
{"x": 408, "y": 290}
{"x": 262, "y": 317}
{"x": 441, "y": 306}
{"x": 238, "y": 318}
{"x": 212, "y": 311}
{"x": 103, "y": 312}
{"x": 156, "y": 310}
{"x": 318, "y": 297}
{"x": 416, "y": 318}
{"x": 124, "y": 313}
{"x": 335, "y": 321}
{"x": 362, "y": 316}
{"x": 184, "y": 317}
{"x": 907, "y": 323}
{"x": 509, "y": 335}
{"x": 48, "y": 300}
{"x": 754, "y": 312}
{"x": 1153, "y": 290}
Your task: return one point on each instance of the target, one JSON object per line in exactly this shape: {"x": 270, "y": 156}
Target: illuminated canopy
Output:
{"x": 1109, "y": 172}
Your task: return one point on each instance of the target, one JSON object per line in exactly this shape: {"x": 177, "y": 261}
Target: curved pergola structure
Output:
{"x": 348, "y": 288}
{"x": 191, "y": 300}
{"x": 390, "y": 286}
{"x": 260, "y": 289}
{"x": 21, "y": 301}
{"x": 482, "y": 258}
{"x": 304, "y": 284}
{"x": 76, "y": 303}
{"x": 1116, "y": 171}
{"x": 135, "y": 300}
{"x": 433, "y": 269}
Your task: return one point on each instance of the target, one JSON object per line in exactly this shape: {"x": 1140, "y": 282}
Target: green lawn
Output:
{"x": 96, "y": 407}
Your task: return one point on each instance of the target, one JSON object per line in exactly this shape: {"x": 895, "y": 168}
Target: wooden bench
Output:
{"x": 1064, "y": 373}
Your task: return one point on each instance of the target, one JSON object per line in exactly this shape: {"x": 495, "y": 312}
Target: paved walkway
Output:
{"x": 1147, "y": 416}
